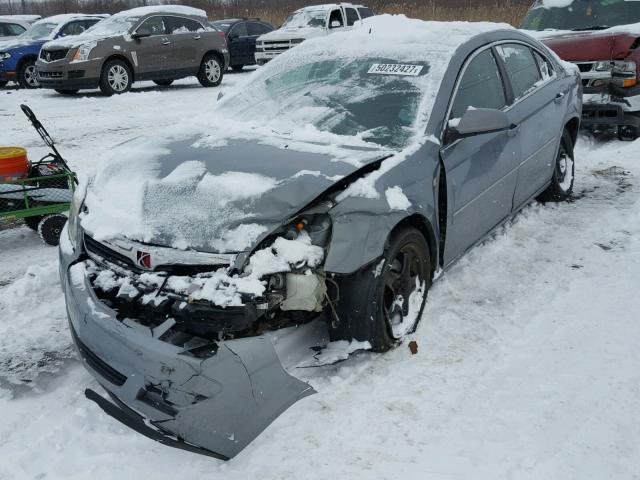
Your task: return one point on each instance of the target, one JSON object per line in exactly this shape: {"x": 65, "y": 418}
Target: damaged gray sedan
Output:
{"x": 329, "y": 190}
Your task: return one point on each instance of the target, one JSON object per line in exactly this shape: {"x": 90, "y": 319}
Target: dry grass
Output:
{"x": 276, "y": 11}
{"x": 512, "y": 13}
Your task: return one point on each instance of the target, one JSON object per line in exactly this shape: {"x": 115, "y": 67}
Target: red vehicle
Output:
{"x": 602, "y": 37}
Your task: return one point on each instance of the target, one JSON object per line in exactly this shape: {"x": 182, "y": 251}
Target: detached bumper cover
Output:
{"x": 214, "y": 404}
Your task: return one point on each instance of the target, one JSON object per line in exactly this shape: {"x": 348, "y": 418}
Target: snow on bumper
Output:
{"x": 217, "y": 400}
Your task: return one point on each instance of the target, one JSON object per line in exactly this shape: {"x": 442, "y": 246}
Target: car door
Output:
{"x": 151, "y": 52}
{"x": 336, "y": 20}
{"x": 480, "y": 170}
{"x": 239, "y": 49}
{"x": 254, "y": 30}
{"x": 184, "y": 35}
{"x": 539, "y": 110}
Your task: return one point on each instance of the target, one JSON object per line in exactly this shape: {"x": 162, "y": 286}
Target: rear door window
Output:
{"x": 481, "y": 86}
{"x": 521, "y": 67}
{"x": 254, "y": 29}
{"x": 365, "y": 12}
{"x": 239, "y": 30}
{"x": 546, "y": 70}
{"x": 352, "y": 16}
{"x": 181, "y": 25}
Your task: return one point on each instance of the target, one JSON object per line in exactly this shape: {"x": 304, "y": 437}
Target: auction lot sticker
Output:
{"x": 395, "y": 69}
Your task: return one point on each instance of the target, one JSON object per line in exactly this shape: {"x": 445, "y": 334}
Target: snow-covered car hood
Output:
{"x": 16, "y": 43}
{"x": 74, "y": 41}
{"x": 210, "y": 198}
{"x": 293, "y": 33}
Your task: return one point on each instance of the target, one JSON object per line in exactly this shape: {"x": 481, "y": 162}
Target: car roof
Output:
{"x": 67, "y": 17}
{"x": 330, "y": 6}
{"x": 163, "y": 9}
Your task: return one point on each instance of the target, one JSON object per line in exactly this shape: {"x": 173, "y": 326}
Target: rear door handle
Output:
{"x": 559, "y": 97}
{"x": 197, "y": 37}
{"x": 166, "y": 42}
{"x": 513, "y": 130}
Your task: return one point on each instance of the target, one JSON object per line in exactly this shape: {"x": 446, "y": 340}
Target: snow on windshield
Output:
{"x": 329, "y": 84}
{"x": 581, "y": 14}
{"x": 306, "y": 18}
{"x": 116, "y": 25}
{"x": 39, "y": 31}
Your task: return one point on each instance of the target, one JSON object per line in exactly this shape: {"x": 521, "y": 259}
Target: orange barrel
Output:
{"x": 13, "y": 163}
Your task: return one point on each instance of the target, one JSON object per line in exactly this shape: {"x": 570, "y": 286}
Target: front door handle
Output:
{"x": 197, "y": 37}
{"x": 166, "y": 42}
{"x": 513, "y": 130}
{"x": 559, "y": 97}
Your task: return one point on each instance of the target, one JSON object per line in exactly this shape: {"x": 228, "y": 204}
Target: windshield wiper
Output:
{"x": 594, "y": 27}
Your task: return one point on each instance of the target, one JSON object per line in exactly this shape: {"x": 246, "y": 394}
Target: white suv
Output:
{"x": 306, "y": 23}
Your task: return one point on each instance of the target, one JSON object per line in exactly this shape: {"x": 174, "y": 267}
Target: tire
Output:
{"x": 375, "y": 302}
{"x": 628, "y": 133}
{"x": 32, "y": 222}
{"x": 237, "y": 68}
{"x": 211, "y": 71}
{"x": 27, "y": 75}
{"x": 563, "y": 179}
{"x": 50, "y": 228}
{"x": 163, "y": 83}
{"x": 70, "y": 91}
{"x": 116, "y": 78}
{"x": 3, "y": 83}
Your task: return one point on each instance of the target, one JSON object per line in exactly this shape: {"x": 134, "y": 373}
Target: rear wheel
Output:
{"x": 163, "y": 83}
{"x": 50, "y": 228}
{"x": 67, "y": 91}
{"x": 628, "y": 133}
{"x": 237, "y": 68}
{"x": 210, "y": 74}
{"x": 27, "y": 75}
{"x": 561, "y": 186}
{"x": 116, "y": 77}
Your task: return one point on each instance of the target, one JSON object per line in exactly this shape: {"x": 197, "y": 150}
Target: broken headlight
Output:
{"x": 74, "y": 217}
{"x": 315, "y": 222}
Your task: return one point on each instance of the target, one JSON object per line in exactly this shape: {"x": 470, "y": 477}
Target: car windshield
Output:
{"x": 583, "y": 15}
{"x": 308, "y": 18}
{"x": 39, "y": 31}
{"x": 116, "y": 25}
{"x": 224, "y": 26}
{"x": 370, "y": 99}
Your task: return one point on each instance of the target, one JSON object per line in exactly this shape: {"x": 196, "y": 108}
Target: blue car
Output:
{"x": 18, "y": 56}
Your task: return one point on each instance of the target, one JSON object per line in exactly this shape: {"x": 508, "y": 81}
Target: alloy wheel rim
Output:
{"x": 31, "y": 77}
{"x": 565, "y": 170}
{"x": 118, "y": 78}
{"x": 403, "y": 277}
{"x": 212, "y": 70}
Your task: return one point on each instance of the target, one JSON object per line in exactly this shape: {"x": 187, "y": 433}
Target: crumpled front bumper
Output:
{"x": 215, "y": 405}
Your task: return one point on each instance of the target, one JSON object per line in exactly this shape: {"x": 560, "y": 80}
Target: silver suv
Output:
{"x": 308, "y": 22}
{"x": 160, "y": 43}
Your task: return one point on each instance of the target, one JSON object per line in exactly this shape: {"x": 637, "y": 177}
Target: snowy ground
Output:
{"x": 528, "y": 365}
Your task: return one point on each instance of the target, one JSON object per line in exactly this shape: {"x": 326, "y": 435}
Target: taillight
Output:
{"x": 222, "y": 36}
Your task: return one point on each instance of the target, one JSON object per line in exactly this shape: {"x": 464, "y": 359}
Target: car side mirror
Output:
{"x": 141, "y": 33}
{"x": 479, "y": 121}
{"x": 335, "y": 24}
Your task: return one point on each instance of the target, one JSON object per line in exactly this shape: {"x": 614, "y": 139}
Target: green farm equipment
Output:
{"x": 43, "y": 194}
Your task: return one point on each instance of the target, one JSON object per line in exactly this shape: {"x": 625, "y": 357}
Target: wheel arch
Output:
{"x": 573, "y": 127}
{"x": 24, "y": 59}
{"x": 123, "y": 58}
{"x": 217, "y": 54}
{"x": 422, "y": 224}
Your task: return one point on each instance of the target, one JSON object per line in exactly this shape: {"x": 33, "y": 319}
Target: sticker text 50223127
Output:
{"x": 395, "y": 69}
